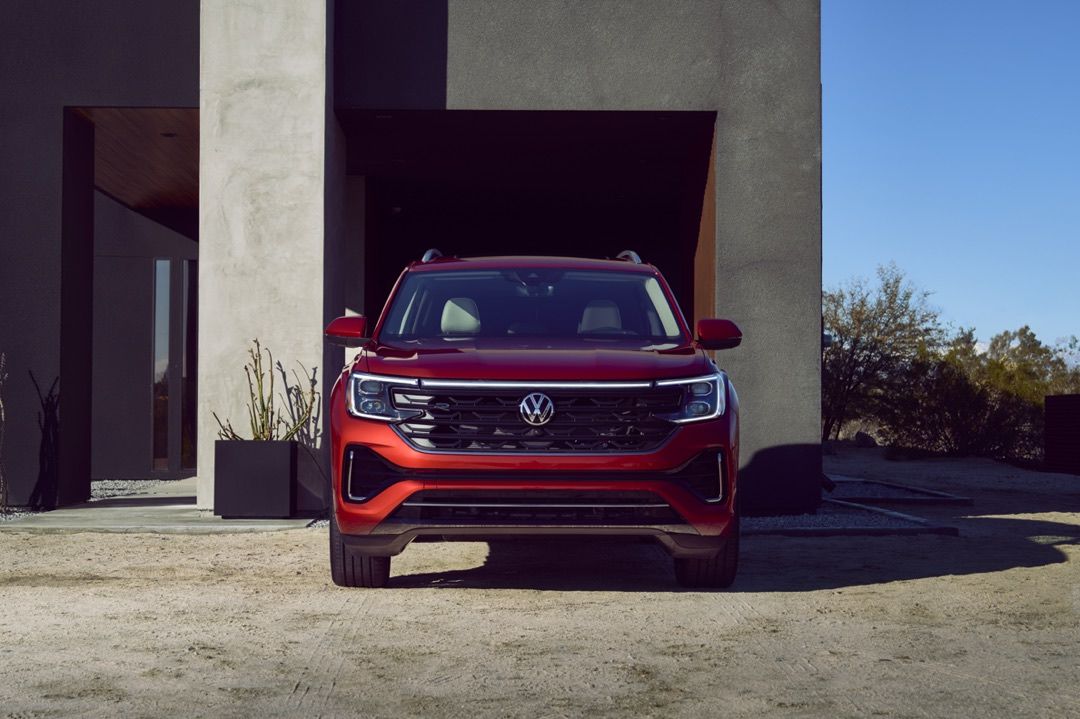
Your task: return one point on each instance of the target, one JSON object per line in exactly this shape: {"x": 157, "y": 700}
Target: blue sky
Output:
{"x": 952, "y": 147}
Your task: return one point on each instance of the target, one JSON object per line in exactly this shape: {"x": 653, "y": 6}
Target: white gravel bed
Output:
{"x": 99, "y": 489}
{"x": 109, "y": 488}
{"x": 846, "y": 490}
{"x": 829, "y": 516}
{"x": 10, "y": 515}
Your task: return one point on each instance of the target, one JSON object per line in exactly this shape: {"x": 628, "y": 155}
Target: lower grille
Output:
{"x": 585, "y": 508}
{"x": 365, "y": 474}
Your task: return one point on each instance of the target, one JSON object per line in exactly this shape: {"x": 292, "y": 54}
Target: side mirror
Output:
{"x": 347, "y": 331}
{"x": 718, "y": 334}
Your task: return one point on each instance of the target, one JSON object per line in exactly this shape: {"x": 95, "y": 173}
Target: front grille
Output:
{"x": 488, "y": 420}
{"x": 526, "y": 507}
{"x": 365, "y": 474}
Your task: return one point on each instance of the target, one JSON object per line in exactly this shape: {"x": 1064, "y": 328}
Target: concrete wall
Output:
{"x": 263, "y": 218}
{"x": 98, "y": 52}
{"x": 757, "y": 65}
{"x": 272, "y": 221}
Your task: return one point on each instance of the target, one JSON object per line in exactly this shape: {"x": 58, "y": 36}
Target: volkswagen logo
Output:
{"x": 537, "y": 409}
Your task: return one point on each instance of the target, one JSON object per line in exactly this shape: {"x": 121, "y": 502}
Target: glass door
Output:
{"x": 174, "y": 368}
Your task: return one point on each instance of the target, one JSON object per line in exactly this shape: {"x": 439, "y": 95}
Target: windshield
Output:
{"x": 450, "y": 306}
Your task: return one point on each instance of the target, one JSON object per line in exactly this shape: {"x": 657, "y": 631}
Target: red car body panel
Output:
{"x": 495, "y": 362}
{"x": 505, "y": 360}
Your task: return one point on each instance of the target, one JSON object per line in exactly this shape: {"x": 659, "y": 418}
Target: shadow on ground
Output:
{"x": 768, "y": 563}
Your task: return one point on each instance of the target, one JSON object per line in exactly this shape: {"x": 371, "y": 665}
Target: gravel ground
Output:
{"x": 983, "y": 625}
{"x": 109, "y": 488}
{"x": 99, "y": 489}
{"x": 8, "y": 515}
{"x": 829, "y": 516}
{"x": 868, "y": 490}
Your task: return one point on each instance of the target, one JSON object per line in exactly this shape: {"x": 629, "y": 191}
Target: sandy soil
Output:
{"x": 987, "y": 624}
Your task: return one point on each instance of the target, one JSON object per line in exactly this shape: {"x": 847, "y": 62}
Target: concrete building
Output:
{"x": 179, "y": 178}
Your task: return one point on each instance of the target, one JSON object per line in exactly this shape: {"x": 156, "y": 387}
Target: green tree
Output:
{"x": 1030, "y": 369}
{"x": 877, "y": 330}
{"x": 942, "y": 402}
{"x": 966, "y": 402}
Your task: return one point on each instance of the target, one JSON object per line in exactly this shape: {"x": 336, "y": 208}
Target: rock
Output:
{"x": 865, "y": 441}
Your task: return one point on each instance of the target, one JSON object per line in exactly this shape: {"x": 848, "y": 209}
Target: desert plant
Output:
{"x": 43, "y": 495}
{"x": 877, "y": 330}
{"x": 301, "y": 400}
{"x": 967, "y": 402}
{"x": 265, "y": 419}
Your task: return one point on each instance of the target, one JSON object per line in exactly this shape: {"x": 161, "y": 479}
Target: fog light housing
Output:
{"x": 372, "y": 406}
{"x": 698, "y": 409}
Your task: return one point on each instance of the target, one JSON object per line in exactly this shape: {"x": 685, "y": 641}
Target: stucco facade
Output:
{"x": 336, "y": 140}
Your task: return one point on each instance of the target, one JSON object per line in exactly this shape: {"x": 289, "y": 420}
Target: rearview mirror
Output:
{"x": 347, "y": 331}
{"x": 718, "y": 334}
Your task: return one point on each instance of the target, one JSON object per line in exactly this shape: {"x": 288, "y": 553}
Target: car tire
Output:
{"x": 717, "y": 572}
{"x": 349, "y": 568}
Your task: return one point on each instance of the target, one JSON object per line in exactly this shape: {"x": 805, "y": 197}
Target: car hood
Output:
{"x": 532, "y": 363}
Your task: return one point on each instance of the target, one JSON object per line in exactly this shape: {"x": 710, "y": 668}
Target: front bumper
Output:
{"x": 385, "y": 520}
{"x": 678, "y": 544}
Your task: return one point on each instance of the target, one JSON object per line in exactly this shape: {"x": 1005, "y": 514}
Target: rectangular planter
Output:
{"x": 1062, "y": 433}
{"x": 263, "y": 480}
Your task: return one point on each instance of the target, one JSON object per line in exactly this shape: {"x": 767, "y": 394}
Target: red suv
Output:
{"x": 533, "y": 396}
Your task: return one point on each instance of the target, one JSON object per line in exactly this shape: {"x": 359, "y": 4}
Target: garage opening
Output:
{"x": 579, "y": 184}
{"x": 144, "y": 268}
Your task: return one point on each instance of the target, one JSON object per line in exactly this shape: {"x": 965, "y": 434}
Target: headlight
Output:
{"x": 703, "y": 397}
{"x": 369, "y": 397}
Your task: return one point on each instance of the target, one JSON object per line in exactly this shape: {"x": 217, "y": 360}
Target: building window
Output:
{"x": 188, "y": 373}
{"x": 162, "y": 276}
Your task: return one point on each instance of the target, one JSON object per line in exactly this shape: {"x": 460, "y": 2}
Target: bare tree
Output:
{"x": 876, "y": 330}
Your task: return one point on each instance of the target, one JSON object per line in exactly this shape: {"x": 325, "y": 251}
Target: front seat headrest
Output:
{"x": 600, "y": 315}
{"x": 460, "y": 317}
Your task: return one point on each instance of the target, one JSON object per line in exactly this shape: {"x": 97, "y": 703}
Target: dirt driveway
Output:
{"x": 987, "y": 624}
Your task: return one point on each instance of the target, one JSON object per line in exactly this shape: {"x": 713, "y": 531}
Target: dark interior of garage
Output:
{"x": 582, "y": 184}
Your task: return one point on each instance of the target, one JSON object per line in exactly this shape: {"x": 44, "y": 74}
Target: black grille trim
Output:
{"x": 365, "y": 474}
{"x": 487, "y": 420}
{"x": 529, "y": 507}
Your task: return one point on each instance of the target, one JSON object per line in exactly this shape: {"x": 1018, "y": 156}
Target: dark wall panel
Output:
{"x": 390, "y": 54}
{"x": 58, "y": 55}
{"x": 123, "y": 314}
{"x": 126, "y": 244}
{"x": 1063, "y": 433}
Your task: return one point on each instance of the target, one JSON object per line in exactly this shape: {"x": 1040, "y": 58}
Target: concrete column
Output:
{"x": 767, "y": 169}
{"x": 263, "y": 212}
{"x": 757, "y": 66}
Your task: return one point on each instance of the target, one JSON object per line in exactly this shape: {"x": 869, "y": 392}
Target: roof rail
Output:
{"x": 629, "y": 256}
{"x": 430, "y": 255}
